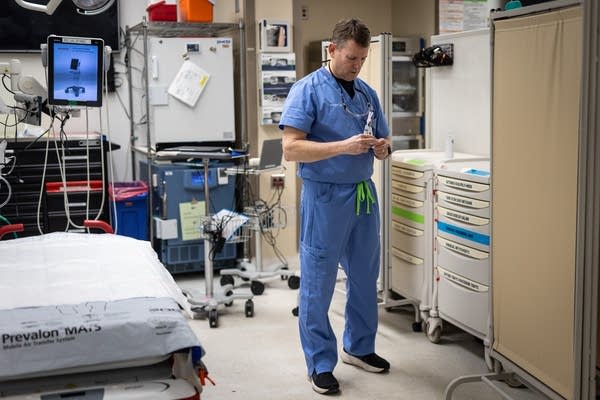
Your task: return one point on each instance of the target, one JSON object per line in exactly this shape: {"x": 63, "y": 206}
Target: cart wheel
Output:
{"x": 294, "y": 282}
{"x": 213, "y": 318}
{"x": 249, "y": 308}
{"x": 434, "y": 337}
{"x": 226, "y": 280}
{"x": 243, "y": 269}
{"x": 417, "y": 327}
{"x": 514, "y": 382}
{"x": 284, "y": 277}
{"x": 295, "y": 311}
{"x": 257, "y": 287}
{"x": 227, "y": 294}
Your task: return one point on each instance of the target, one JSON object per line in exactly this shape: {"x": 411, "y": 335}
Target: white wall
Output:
{"x": 460, "y": 95}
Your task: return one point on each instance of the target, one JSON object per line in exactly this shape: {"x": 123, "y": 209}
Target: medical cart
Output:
{"x": 462, "y": 204}
{"x": 411, "y": 231}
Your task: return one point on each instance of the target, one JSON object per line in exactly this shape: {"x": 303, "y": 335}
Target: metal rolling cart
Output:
{"x": 209, "y": 302}
{"x": 261, "y": 219}
{"x": 157, "y": 49}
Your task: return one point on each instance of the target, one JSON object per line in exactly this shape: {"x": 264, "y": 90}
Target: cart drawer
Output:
{"x": 407, "y": 274}
{"x": 477, "y": 236}
{"x": 463, "y": 187}
{"x": 464, "y": 260}
{"x": 467, "y": 219}
{"x": 413, "y": 177}
{"x": 408, "y": 239}
{"x": 480, "y": 208}
{"x": 408, "y": 190}
{"x": 408, "y": 211}
{"x": 463, "y": 302}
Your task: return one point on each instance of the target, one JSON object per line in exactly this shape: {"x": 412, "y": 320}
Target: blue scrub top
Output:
{"x": 320, "y": 107}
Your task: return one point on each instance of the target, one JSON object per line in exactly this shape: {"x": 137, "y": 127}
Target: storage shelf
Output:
{"x": 178, "y": 29}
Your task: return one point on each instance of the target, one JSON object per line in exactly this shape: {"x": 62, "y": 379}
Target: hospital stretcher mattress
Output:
{"x": 74, "y": 302}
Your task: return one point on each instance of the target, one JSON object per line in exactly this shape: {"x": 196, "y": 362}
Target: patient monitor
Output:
{"x": 76, "y": 67}
{"x": 75, "y": 70}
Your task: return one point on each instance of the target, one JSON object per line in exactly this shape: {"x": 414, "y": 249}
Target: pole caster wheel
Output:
{"x": 294, "y": 282}
{"x": 257, "y": 287}
{"x": 295, "y": 311}
{"x": 229, "y": 303}
{"x": 213, "y": 318}
{"x": 226, "y": 280}
{"x": 243, "y": 269}
{"x": 417, "y": 327}
{"x": 249, "y": 308}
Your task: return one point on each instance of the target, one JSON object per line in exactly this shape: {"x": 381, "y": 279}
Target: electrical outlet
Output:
{"x": 304, "y": 13}
{"x": 4, "y": 68}
{"x": 277, "y": 181}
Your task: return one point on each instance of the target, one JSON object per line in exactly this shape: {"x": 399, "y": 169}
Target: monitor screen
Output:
{"x": 75, "y": 68}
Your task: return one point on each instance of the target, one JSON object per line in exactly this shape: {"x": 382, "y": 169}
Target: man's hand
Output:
{"x": 380, "y": 148}
{"x": 359, "y": 144}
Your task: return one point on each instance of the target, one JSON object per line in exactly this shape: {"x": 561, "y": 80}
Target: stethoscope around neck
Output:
{"x": 345, "y": 107}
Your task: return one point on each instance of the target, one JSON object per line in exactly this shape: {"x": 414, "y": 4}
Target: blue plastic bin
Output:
{"x": 131, "y": 201}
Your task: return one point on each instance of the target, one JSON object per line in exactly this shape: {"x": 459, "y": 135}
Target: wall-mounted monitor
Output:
{"x": 75, "y": 69}
{"x": 23, "y": 30}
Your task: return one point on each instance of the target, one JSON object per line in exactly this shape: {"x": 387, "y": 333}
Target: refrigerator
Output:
{"x": 190, "y": 83}
{"x": 407, "y": 92}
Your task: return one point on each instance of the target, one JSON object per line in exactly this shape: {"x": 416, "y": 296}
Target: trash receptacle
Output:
{"x": 131, "y": 203}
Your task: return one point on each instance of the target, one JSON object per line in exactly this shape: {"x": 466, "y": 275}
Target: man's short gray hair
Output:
{"x": 351, "y": 29}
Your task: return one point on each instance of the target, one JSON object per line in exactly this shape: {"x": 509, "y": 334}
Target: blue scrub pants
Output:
{"x": 332, "y": 234}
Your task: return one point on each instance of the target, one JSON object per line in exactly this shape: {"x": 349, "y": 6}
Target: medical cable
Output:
{"x": 12, "y": 167}
{"x": 7, "y": 183}
{"x": 4, "y": 76}
{"x": 268, "y": 212}
{"x": 39, "y": 205}
{"x": 9, "y": 189}
{"x": 63, "y": 174}
{"x": 62, "y": 169}
{"x": 87, "y": 164}
{"x": 111, "y": 174}
{"x": 41, "y": 193}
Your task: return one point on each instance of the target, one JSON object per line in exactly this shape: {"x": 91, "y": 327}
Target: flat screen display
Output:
{"x": 75, "y": 68}
{"x": 23, "y": 30}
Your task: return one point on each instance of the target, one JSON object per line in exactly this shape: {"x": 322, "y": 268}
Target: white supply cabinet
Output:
{"x": 462, "y": 247}
{"x": 411, "y": 228}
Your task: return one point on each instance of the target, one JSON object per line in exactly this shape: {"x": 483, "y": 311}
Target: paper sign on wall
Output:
{"x": 191, "y": 215}
{"x": 189, "y": 83}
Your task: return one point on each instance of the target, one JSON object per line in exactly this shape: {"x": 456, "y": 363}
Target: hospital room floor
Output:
{"x": 260, "y": 357}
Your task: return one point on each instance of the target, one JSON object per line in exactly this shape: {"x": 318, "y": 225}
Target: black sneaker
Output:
{"x": 324, "y": 383}
{"x": 370, "y": 362}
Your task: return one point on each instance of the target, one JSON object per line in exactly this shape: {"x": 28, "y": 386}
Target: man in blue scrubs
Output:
{"x": 333, "y": 127}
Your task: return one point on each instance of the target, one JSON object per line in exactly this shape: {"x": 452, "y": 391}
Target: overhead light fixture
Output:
{"x": 85, "y": 7}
